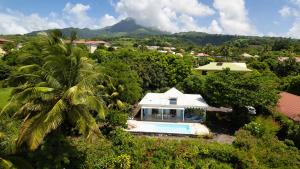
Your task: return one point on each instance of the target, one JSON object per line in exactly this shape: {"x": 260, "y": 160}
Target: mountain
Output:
{"x": 126, "y": 27}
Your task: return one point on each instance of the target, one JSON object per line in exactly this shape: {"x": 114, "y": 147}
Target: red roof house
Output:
{"x": 289, "y": 105}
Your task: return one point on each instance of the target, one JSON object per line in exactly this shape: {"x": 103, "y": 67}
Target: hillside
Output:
{"x": 126, "y": 27}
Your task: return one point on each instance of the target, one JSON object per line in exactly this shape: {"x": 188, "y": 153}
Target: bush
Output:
{"x": 114, "y": 119}
{"x": 262, "y": 126}
{"x": 264, "y": 152}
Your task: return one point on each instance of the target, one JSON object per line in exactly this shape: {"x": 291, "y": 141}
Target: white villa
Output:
{"x": 173, "y": 106}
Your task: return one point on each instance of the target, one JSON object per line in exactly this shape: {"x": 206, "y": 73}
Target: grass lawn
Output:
{"x": 4, "y": 96}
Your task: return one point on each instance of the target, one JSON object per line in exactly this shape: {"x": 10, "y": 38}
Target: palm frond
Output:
{"x": 36, "y": 128}
{"x": 29, "y": 68}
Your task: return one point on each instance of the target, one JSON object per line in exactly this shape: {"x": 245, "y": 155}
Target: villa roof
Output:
{"x": 183, "y": 100}
{"x": 202, "y": 55}
{"x": 247, "y": 55}
{"x": 218, "y": 66}
{"x": 289, "y": 105}
{"x": 88, "y": 42}
{"x": 281, "y": 59}
{"x": 2, "y": 41}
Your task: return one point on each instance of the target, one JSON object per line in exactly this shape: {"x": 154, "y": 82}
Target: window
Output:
{"x": 173, "y": 100}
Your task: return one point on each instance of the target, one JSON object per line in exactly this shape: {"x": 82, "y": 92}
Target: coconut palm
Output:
{"x": 59, "y": 93}
{"x": 112, "y": 95}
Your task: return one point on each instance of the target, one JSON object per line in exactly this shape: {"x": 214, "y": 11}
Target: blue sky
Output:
{"x": 245, "y": 17}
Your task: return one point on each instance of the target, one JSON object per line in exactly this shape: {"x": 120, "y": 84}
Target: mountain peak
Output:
{"x": 125, "y": 25}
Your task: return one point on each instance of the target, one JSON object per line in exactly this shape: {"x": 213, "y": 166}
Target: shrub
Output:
{"x": 262, "y": 126}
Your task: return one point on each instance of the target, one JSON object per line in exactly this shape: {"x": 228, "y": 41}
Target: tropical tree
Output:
{"x": 58, "y": 95}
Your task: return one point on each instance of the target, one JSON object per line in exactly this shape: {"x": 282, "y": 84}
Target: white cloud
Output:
{"x": 296, "y": 2}
{"x": 295, "y": 30}
{"x": 215, "y": 28}
{"x": 167, "y": 15}
{"x": 72, "y": 15}
{"x": 13, "y": 22}
{"x": 293, "y": 11}
{"x": 76, "y": 16}
{"x": 108, "y": 20}
{"x": 285, "y": 11}
{"x": 234, "y": 17}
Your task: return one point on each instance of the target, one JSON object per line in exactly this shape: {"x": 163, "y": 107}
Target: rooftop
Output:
{"x": 289, "y": 105}
{"x": 233, "y": 66}
{"x": 182, "y": 100}
{"x": 92, "y": 42}
{"x": 281, "y": 59}
{"x": 247, "y": 55}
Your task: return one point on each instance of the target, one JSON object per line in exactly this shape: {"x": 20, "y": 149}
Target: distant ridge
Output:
{"x": 126, "y": 27}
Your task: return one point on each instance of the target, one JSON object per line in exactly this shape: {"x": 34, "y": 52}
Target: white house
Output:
{"x": 91, "y": 44}
{"x": 173, "y": 105}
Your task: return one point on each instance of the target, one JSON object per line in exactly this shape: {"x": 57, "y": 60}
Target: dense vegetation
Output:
{"x": 63, "y": 107}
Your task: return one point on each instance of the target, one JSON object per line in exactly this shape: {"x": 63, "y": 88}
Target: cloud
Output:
{"x": 108, "y": 20}
{"x": 285, "y": 11}
{"x": 234, "y": 17}
{"x": 167, "y": 15}
{"x": 293, "y": 11}
{"x": 13, "y": 22}
{"x": 215, "y": 28}
{"x": 294, "y": 31}
{"x": 72, "y": 15}
{"x": 76, "y": 16}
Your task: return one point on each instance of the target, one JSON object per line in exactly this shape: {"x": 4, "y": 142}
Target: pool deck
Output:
{"x": 135, "y": 126}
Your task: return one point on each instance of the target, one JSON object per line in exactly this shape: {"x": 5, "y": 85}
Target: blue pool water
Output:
{"x": 166, "y": 128}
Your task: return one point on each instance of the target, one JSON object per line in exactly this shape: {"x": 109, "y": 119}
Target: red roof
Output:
{"x": 88, "y": 42}
{"x": 289, "y": 105}
{"x": 4, "y": 41}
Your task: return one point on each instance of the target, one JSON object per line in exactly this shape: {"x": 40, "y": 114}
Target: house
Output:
{"x": 202, "y": 55}
{"x": 219, "y": 66}
{"x": 173, "y": 106}
{"x": 3, "y": 41}
{"x": 169, "y": 48}
{"x": 289, "y": 105}
{"x": 92, "y": 45}
{"x": 152, "y": 47}
{"x": 282, "y": 59}
{"x": 246, "y": 55}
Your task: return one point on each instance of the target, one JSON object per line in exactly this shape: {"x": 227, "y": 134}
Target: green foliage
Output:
{"x": 117, "y": 118}
{"x": 156, "y": 70}
{"x": 260, "y": 66}
{"x": 9, "y": 46}
{"x": 292, "y": 84}
{"x": 5, "y": 70}
{"x": 289, "y": 129}
{"x": 262, "y": 126}
{"x": 264, "y": 152}
{"x": 193, "y": 84}
{"x": 56, "y": 153}
{"x": 61, "y": 91}
{"x": 121, "y": 75}
{"x": 241, "y": 89}
{"x": 288, "y": 67}
{"x": 4, "y": 96}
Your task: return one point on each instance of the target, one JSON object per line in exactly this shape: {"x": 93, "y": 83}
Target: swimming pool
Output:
{"x": 170, "y": 128}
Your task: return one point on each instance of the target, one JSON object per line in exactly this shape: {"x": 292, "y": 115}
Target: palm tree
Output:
{"x": 60, "y": 92}
{"x": 112, "y": 94}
